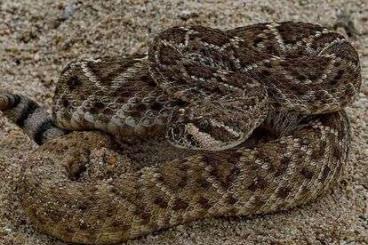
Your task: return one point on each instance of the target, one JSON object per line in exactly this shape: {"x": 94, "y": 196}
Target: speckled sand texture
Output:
{"x": 38, "y": 37}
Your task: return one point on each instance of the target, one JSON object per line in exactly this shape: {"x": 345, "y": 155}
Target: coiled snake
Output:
{"x": 210, "y": 123}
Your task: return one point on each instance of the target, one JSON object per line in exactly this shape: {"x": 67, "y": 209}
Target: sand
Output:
{"x": 37, "y": 38}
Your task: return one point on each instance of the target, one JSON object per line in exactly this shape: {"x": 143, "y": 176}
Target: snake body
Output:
{"x": 210, "y": 123}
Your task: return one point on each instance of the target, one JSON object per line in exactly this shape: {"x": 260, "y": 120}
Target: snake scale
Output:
{"x": 209, "y": 123}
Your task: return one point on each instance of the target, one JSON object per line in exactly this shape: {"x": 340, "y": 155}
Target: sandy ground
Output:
{"x": 37, "y": 38}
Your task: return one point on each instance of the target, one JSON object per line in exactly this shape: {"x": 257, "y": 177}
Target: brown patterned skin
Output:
{"x": 307, "y": 68}
{"x": 198, "y": 87}
{"x": 80, "y": 188}
{"x": 207, "y": 88}
{"x": 113, "y": 94}
{"x": 127, "y": 102}
{"x": 197, "y": 65}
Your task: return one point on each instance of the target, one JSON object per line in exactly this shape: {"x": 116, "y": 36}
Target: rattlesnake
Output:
{"x": 211, "y": 123}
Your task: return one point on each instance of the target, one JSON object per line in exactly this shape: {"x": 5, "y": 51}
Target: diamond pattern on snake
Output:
{"x": 208, "y": 123}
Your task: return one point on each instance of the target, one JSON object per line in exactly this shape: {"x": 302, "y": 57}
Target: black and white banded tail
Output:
{"x": 35, "y": 121}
